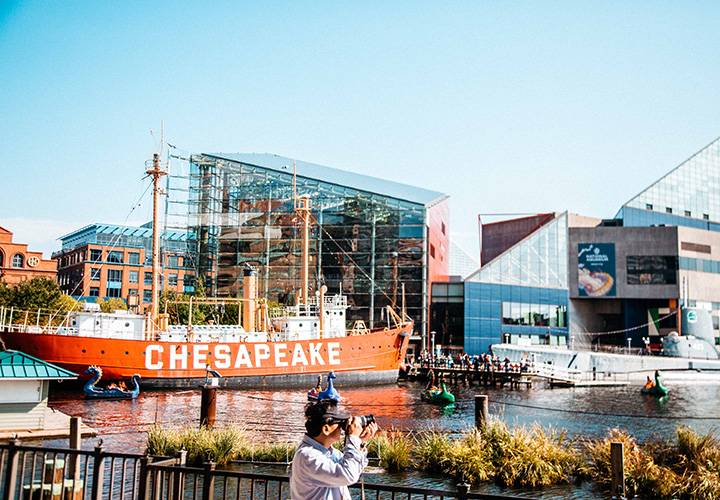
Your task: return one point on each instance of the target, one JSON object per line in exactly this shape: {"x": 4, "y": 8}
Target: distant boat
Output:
{"x": 92, "y": 391}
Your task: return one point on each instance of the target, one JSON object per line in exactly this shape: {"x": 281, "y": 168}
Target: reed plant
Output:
{"x": 221, "y": 444}
{"x": 536, "y": 456}
{"x": 274, "y": 452}
{"x": 432, "y": 449}
{"x": 394, "y": 449}
{"x": 470, "y": 458}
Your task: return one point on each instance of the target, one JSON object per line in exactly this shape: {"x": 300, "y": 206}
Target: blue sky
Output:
{"x": 507, "y": 106}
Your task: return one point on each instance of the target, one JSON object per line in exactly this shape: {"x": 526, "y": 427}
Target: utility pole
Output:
{"x": 156, "y": 173}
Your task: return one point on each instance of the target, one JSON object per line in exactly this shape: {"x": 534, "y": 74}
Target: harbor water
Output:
{"x": 277, "y": 415}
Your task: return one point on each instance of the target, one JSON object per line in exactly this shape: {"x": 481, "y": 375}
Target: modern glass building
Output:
{"x": 558, "y": 279}
{"x": 380, "y": 242}
{"x": 520, "y": 296}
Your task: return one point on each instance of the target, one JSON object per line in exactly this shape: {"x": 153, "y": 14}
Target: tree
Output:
{"x": 39, "y": 293}
{"x": 111, "y": 304}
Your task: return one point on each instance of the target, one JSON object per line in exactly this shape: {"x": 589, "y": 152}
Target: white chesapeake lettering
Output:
{"x": 315, "y": 357}
{"x": 178, "y": 355}
{"x": 222, "y": 356}
{"x": 299, "y": 356}
{"x": 258, "y": 356}
{"x": 243, "y": 357}
{"x": 333, "y": 353}
{"x": 280, "y": 354}
{"x": 200, "y": 353}
{"x": 149, "y": 357}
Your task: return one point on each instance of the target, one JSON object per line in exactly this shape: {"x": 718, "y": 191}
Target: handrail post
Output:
{"x": 177, "y": 481}
{"x": 12, "y": 472}
{"x": 463, "y": 490}
{"x": 208, "y": 481}
{"x": 143, "y": 483}
{"x": 98, "y": 473}
{"x": 617, "y": 478}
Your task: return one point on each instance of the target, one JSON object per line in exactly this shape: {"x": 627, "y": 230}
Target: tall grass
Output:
{"x": 221, "y": 444}
{"x": 394, "y": 449}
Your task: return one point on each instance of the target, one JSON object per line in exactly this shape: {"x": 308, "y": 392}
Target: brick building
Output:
{"x": 108, "y": 261}
{"x": 18, "y": 264}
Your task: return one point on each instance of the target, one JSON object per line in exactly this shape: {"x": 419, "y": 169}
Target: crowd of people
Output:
{"x": 477, "y": 362}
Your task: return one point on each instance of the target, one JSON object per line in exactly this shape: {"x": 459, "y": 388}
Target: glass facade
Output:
{"x": 367, "y": 244}
{"x": 539, "y": 260}
{"x": 690, "y": 191}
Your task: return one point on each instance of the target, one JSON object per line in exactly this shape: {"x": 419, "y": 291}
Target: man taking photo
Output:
{"x": 319, "y": 471}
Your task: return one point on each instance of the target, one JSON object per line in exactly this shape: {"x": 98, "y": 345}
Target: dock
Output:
{"x": 514, "y": 378}
{"x": 491, "y": 377}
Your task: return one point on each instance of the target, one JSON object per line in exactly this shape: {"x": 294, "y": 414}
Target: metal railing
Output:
{"x": 28, "y": 472}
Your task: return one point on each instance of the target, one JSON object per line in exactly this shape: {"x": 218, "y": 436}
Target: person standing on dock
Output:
{"x": 319, "y": 471}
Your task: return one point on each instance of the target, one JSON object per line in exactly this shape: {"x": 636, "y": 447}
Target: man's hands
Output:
{"x": 355, "y": 429}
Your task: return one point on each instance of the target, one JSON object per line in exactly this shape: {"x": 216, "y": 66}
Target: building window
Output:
{"x": 147, "y": 295}
{"x": 648, "y": 206}
{"x": 173, "y": 261}
{"x": 115, "y": 275}
{"x": 546, "y": 315}
{"x": 17, "y": 260}
{"x": 133, "y": 291}
{"x": 94, "y": 291}
{"x": 133, "y": 276}
{"x": 95, "y": 274}
{"x": 652, "y": 269}
{"x": 172, "y": 279}
{"x": 95, "y": 255}
{"x": 134, "y": 258}
{"x": 147, "y": 281}
{"x": 443, "y": 227}
{"x": 706, "y": 217}
{"x": 668, "y": 210}
{"x": 113, "y": 292}
{"x": 115, "y": 257}
{"x": 688, "y": 213}
{"x": 432, "y": 251}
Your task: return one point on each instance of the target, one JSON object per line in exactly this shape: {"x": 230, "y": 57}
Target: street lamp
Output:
{"x": 507, "y": 338}
{"x": 432, "y": 340}
{"x": 572, "y": 342}
{"x": 629, "y": 342}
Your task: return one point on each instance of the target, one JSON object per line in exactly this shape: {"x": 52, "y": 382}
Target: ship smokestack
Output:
{"x": 250, "y": 296}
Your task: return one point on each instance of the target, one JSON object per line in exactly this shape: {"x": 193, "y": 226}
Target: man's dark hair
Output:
{"x": 316, "y": 418}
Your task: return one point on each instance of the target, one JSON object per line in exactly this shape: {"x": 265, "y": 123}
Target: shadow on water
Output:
{"x": 278, "y": 416}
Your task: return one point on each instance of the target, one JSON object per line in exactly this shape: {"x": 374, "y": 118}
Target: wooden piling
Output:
{"x": 207, "y": 406}
{"x": 481, "y": 411}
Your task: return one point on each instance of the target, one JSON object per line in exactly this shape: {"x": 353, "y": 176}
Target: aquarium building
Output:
{"x": 564, "y": 280}
{"x": 378, "y": 241}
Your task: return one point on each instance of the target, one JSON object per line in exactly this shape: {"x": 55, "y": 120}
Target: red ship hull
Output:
{"x": 371, "y": 357}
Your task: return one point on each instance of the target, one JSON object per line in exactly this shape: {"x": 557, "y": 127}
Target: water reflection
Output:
{"x": 278, "y": 415}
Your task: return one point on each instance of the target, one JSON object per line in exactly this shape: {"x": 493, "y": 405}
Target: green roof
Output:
{"x": 16, "y": 364}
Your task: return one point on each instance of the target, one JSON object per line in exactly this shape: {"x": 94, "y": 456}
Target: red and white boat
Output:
{"x": 271, "y": 347}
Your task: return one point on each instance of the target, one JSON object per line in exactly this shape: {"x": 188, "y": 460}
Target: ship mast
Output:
{"x": 156, "y": 172}
{"x": 303, "y": 209}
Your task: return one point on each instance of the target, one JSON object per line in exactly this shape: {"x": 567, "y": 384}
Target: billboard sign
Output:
{"x": 596, "y": 269}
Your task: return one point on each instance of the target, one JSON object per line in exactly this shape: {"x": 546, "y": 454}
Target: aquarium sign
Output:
{"x": 596, "y": 269}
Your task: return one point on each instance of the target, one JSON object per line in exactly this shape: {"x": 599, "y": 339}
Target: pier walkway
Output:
{"x": 514, "y": 378}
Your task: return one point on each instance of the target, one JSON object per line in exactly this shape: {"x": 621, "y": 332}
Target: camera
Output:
{"x": 365, "y": 420}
